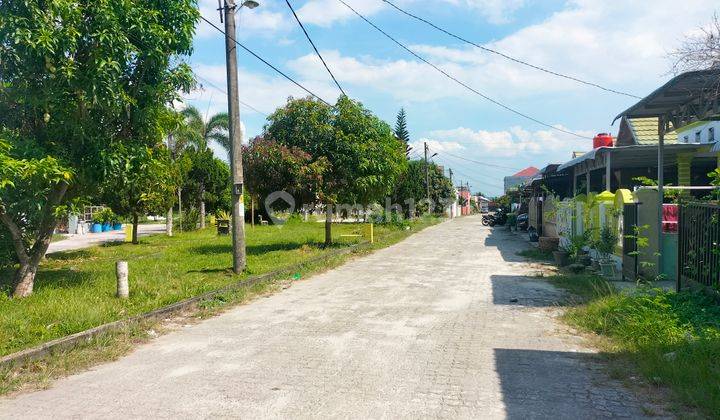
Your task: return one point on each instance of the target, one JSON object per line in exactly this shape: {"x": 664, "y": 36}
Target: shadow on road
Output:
{"x": 555, "y": 384}
{"x": 523, "y": 291}
{"x": 506, "y": 242}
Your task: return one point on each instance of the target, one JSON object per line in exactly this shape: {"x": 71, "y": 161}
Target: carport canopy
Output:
{"x": 686, "y": 98}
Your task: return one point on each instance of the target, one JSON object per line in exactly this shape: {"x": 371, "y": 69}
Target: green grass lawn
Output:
{"x": 75, "y": 290}
{"x": 673, "y": 339}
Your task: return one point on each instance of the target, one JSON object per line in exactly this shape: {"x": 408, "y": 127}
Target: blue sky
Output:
{"x": 619, "y": 44}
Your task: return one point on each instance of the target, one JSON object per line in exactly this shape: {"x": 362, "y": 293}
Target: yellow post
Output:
{"x": 372, "y": 236}
{"x": 128, "y": 232}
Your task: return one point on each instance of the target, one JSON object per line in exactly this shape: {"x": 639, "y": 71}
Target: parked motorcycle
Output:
{"x": 497, "y": 218}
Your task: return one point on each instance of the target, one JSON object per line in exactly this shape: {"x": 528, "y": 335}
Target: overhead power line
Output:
{"x": 251, "y": 52}
{"x": 472, "y": 178}
{"x": 140, "y": 42}
{"x": 314, "y": 47}
{"x": 208, "y": 82}
{"x": 478, "y": 162}
{"x": 508, "y": 57}
{"x": 461, "y": 83}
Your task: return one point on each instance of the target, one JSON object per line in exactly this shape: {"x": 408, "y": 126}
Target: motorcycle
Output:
{"x": 498, "y": 218}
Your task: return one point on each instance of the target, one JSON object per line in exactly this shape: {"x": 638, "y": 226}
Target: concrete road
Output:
{"x": 444, "y": 324}
{"x": 91, "y": 239}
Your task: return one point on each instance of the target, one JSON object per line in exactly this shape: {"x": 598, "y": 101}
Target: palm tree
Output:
{"x": 196, "y": 133}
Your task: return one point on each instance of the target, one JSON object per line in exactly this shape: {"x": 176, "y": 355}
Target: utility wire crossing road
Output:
{"x": 444, "y": 324}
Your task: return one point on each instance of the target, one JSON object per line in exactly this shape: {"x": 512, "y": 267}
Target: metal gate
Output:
{"x": 698, "y": 245}
{"x": 629, "y": 253}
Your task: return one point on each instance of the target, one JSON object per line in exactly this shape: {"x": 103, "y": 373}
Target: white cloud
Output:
{"x": 259, "y": 22}
{"x": 327, "y": 12}
{"x": 621, "y": 46}
{"x": 261, "y": 91}
{"x": 511, "y": 143}
{"x": 435, "y": 146}
{"x": 495, "y": 11}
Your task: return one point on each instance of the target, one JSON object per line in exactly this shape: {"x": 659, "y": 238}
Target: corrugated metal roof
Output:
{"x": 682, "y": 90}
{"x": 645, "y": 131}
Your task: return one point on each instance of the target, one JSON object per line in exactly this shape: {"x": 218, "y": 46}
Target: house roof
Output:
{"x": 527, "y": 172}
{"x": 691, "y": 91}
{"x": 645, "y": 131}
{"x": 634, "y": 156}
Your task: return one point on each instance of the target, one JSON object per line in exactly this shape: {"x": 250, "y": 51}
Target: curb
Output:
{"x": 70, "y": 341}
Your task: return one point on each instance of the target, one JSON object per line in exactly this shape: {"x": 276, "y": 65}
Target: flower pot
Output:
{"x": 117, "y": 226}
{"x": 223, "y": 227}
{"x": 96, "y": 228}
{"x": 607, "y": 269}
{"x": 106, "y": 227}
{"x": 561, "y": 258}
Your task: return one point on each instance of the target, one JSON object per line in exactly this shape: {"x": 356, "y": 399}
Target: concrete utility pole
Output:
{"x": 238, "y": 211}
{"x": 453, "y": 204}
{"x": 427, "y": 174}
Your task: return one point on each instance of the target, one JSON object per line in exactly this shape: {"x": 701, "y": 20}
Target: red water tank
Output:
{"x": 602, "y": 140}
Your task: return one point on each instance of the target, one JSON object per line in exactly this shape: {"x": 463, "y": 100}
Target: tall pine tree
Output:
{"x": 401, "y": 131}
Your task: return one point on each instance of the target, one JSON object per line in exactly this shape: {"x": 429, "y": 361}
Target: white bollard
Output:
{"x": 123, "y": 287}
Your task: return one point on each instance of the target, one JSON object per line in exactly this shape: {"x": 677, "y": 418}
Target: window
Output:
{"x": 697, "y": 137}
{"x": 686, "y": 139}
{"x": 711, "y": 134}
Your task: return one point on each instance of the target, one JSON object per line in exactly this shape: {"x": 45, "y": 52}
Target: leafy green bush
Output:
{"x": 190, "y": 220}
{"x": 7, "y": 253}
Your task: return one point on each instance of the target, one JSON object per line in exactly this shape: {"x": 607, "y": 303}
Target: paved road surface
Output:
{"x": 91, "y": 239}
{"x": 426, "y": 328}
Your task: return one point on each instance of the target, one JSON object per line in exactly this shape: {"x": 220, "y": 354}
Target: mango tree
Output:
{"x": 139, "y": 180}
{"x": 364, "y": 158}
{"x": 76, "y": 78}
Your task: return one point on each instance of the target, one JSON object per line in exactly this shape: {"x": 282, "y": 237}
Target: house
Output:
{"x": 519, "y": 179}
{"x": 667, "y": 142}
{"x": 483, "y": 204}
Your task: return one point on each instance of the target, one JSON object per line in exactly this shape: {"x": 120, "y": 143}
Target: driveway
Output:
{"x": 91, "y": 239}
{"x": 444, "y": 324}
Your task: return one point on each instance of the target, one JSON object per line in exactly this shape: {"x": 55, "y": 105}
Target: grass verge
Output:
{"x": 672, "y": 339}
{"x": 75, "y": 290}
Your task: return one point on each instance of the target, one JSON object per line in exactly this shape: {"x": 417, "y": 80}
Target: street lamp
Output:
{"x": 250, "y": 4}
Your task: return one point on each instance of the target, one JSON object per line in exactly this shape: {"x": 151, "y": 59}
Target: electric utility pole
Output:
{"x": 238, "y": 211}
{"x": 427, "y": 174}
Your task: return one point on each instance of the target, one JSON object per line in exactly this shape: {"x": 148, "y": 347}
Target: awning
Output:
{"x": 687, "y": 97}
{"x": 634, "y": 156}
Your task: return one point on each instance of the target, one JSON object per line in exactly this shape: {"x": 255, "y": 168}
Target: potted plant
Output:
{"x": 106, "y": 216}
{"x": 116, "y": 223}
{"x": 561, "y": 257}
{"x": 605, "y": 246}
{"x": 97, "y": 222}
{"x": 223, "y": 223}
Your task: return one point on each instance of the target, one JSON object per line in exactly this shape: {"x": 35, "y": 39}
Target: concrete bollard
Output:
{"x": 123, "y": 287}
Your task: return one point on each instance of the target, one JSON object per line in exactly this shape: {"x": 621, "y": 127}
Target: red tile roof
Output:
{"x": 529, "y": 171}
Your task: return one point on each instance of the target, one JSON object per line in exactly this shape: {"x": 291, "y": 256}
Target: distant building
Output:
{"x": 520, "y": 178}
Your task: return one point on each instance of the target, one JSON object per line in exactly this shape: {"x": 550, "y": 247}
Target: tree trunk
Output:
{"x": 202, "y": 206}
{"x": 30, "y": 259}
{"x": 328, "y": 224}
{"x": 24, "y": 280}
{"x": 135, "y": 223}
{"x": 169, "y": 222}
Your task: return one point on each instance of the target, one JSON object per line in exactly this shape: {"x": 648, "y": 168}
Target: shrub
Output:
{"x": 190, "y": 220}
